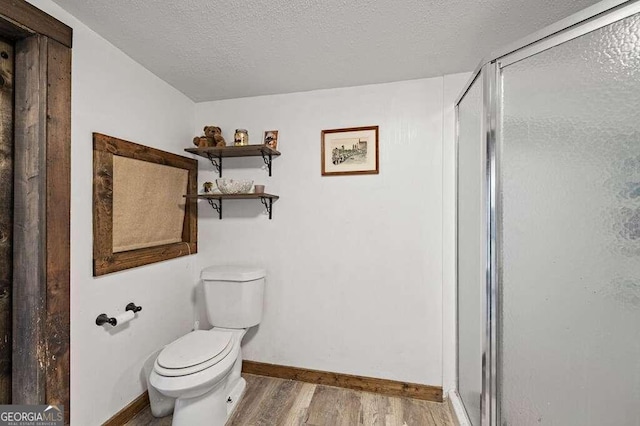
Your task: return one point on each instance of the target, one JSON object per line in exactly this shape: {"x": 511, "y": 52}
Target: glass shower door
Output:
{"x": 569, "y": 227}
{"x": 471, "y": 264}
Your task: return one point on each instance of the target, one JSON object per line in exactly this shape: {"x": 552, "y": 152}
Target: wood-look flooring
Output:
{"x": 274, "y": 402}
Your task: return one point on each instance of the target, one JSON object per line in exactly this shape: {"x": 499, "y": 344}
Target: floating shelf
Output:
{"x": 215, "y": 155}
{"x": 215, "y": 200}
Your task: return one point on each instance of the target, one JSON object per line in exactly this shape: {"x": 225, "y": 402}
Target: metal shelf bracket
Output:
{"x": 267, "y": 160}
{"x": 216, "y": 206}
{"x": 268, "y": 204}
{"x": 216, "y": 161}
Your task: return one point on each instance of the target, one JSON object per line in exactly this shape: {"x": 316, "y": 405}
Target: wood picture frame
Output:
{"x": 349, "y": 151}
{"x": 271, "y": 138}
{"x": 105, "y": 260}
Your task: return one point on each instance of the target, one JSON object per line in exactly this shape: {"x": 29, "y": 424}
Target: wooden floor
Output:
{"x": 274, "y": 402}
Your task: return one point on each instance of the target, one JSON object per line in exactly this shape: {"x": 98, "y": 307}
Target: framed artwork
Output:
{"x": 351, "y": 151}
{"x": 271, "y": 138}
{"x": 140, "y": 214}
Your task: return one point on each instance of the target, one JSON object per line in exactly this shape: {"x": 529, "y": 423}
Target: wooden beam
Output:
{"x": 41, "y": 204}
{"x": 360, "y": 383}
{"x": 25, "y": 15}
{"x": 29, "y": 270}
{"x": 10, "y": 31}
{"x": 58, "y": 200}
{"x": 6, "y": 218}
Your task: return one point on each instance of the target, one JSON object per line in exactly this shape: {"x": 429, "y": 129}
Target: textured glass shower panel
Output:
{"x": 570, "y": 229}
{"x": 471, "y": 153}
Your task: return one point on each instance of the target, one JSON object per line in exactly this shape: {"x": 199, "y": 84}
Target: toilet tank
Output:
{"x": 233, "y": 295}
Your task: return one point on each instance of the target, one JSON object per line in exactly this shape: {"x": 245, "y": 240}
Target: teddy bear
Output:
{"x": 201, "y": 142}
{"x": 212, "y": 137}
{"x": 215, "y": 133}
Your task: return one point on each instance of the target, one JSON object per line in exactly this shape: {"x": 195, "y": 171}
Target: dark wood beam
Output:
{"x": 6, "y": 218}
{"x": 41, "y": 205}
{"x": 58, "y": 226}
{"x": 11, "y": 31}
{"x": 29, "y": 266}
{"x": 27, "y": 16}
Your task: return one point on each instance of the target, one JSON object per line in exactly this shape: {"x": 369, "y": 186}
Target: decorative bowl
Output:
{"x": 234, "y": 186}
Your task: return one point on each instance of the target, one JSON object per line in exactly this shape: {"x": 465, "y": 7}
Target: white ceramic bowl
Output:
{"x": 234, "y": 186}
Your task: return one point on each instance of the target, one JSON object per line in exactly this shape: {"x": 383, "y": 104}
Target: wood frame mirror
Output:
{"x": 106, "y": 258}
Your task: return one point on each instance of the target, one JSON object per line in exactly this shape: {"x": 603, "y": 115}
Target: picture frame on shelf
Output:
{"x": 271, "y": 139}
{"x": 350, "y": 151}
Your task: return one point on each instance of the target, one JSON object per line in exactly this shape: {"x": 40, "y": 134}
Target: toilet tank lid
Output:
{"x": 232, "y": 273}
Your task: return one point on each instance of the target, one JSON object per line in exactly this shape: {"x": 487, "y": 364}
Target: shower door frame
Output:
{"x": 477, "y": 75}
{"x": 490, "y": 70}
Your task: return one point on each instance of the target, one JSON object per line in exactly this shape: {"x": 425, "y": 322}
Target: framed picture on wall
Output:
{"x": 351, "y": 151}
{"x": 126, "y": 182}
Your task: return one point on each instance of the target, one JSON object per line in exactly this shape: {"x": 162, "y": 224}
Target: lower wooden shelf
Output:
{"x": 215, "y": 200}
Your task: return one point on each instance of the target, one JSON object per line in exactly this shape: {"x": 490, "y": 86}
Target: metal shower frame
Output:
{"x": 489, "y": 70}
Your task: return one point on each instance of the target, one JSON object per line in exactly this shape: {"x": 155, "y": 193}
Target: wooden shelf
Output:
{"x": 235, "y": 151}
{"x": 215, "y": 200}
{"x": 215, "y": 155}
{"x": 249, "y": 196}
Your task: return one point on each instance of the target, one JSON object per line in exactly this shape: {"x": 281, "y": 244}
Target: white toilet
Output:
{"x": 201, "y": 370}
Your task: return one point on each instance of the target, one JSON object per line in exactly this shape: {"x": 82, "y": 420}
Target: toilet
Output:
{"x": 201, "y": 370}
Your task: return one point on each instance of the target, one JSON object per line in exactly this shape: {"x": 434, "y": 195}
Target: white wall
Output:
{"x": 112, "y": 94}
{"x": 354, "y": 263}
{"x": 453, "y": 85}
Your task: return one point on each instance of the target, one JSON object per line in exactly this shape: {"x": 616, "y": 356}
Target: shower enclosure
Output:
{"x": 548, "y": 226}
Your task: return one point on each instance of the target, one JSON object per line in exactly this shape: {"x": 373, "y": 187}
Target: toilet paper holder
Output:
{"x": 132, "y": 307}
{"x": 106, "y": 319}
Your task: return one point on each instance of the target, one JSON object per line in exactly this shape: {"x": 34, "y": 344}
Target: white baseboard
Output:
{"x": 457, "y": 409}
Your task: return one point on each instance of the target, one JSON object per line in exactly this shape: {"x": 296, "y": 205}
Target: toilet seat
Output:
{"x": 194, "y": 352}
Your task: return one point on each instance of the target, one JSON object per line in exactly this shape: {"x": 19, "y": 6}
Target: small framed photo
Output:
{"x": 271, "y": 138}
{"x": 352, "y": 151}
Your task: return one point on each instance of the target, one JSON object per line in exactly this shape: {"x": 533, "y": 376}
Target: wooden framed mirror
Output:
{"x": 140, "y": 213}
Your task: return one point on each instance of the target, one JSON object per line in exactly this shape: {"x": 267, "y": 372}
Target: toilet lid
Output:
{"x": 194, "y": 348}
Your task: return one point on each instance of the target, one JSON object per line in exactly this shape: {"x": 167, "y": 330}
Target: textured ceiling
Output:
{"x": 224, "y": 49}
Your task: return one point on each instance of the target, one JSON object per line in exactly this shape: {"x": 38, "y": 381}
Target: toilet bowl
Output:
{"x": 160, "y": 404}
{"x": 201, "y": 370}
